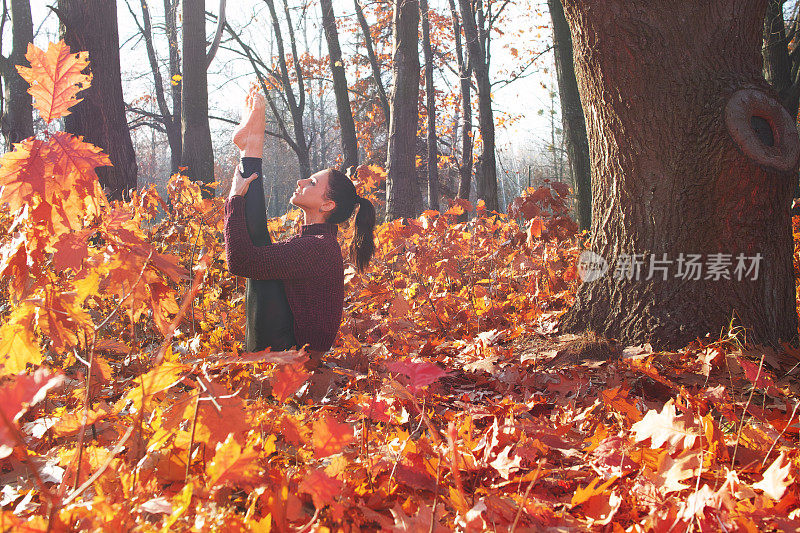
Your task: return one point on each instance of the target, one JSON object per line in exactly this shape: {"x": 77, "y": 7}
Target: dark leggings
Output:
{"x": 269, "y": 319}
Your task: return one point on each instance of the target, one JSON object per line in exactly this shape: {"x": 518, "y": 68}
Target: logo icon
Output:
{"x": 591, "y": 266}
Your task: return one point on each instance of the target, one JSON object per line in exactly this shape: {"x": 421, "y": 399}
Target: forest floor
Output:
{"x": 449, "y": 402}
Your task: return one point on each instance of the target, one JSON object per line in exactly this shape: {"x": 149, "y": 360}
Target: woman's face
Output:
{"x": 310, "y": 193}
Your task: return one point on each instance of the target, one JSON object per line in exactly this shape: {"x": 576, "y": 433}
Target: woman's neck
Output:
{"x": 313, "y": 218}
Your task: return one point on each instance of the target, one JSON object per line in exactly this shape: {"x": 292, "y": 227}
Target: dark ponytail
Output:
{"x": 343, "y": 193}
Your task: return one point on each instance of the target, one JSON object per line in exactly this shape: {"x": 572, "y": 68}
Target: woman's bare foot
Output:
{"x": 249, "y": 135}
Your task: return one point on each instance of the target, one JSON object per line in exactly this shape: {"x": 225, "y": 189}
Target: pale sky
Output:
{"x": 523, "y": 98}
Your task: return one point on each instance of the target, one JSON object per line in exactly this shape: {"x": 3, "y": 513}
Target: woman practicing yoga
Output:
{"x": 295, "y": 287}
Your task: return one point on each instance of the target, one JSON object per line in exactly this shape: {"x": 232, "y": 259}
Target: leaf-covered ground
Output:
{"x": 449, "y": 401}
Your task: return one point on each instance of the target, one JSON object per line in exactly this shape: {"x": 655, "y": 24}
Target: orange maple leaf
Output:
{"x": 55, "y": 76}
{"x": 330, "y": 436}
{"x": 287, "y": 379}
{"x": 16, "y": 397}
{"x": 232, "y": 465}
{"x": 23, "y": 172}
{"x": 322, "y": 488}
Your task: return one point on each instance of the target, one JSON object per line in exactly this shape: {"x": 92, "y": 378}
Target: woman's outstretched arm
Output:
{"x": 300, "y": 257}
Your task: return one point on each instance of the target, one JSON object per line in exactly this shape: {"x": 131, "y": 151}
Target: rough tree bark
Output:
{"x": 91, "y": 25}
{"x": 197, "y": 153}
{"x": 17, "y": 120}
{"x": 430, "y": 104}
{"x": 346, "y": 124}
{"x": 403, "y": 197}
{"x": 691, "y": 154}
{"x": 486, "y": 176}
{"x": 572, "y": 115}
{"x": 465, "y": 77}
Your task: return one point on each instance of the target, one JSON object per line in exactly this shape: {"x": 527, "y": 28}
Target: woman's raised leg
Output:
{"x": 269, "y": 321}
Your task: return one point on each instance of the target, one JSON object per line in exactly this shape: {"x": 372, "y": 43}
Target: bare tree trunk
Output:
{"x": 465, "y": 77}
{"x": 705, "y": 166}
{"x": 17, "y": 120}
{"x": 572, "y": 115}
{"x": 373, "y": 61}
{"x": 171, "y": 13}
{"x": 486, "y": 178}
{"x": 197, "y": 150}
{"x": 346, "y": 124}
{"x": 91, "y": 25}
{"x": 296, "y": 103}
{"x": 403, "y": 197}
{"x": 171, "y": 123}
{"x": 430, "y": 98}
{"x": 777, "y": 61}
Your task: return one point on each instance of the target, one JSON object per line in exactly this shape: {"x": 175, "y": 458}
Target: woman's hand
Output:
{"x": 240, "y": 184}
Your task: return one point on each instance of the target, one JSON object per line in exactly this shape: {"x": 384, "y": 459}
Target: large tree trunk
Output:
{"x": 403, "y": 197}
{"x": 197, "y": 151}
{"x": 691, "y": 154}
{"x": 572, "y": 115}
{"x": 486, "y": 177}
{"x": 17, "y": 121}
{"x": 465, "y": 77}
{"x": 346, "y": 124}
{"x": 430, "y": 103}
{"x": 91, "y": 25}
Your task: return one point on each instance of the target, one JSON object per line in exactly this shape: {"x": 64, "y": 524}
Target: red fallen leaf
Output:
{"x": 287, "y": 379}
{"x": 378, "y": 411}
{"x": 291, "y": 431}
{"x": 15, "y": 399}
{"x": 762, "y": 380}
{"x": 400, "y": 307}
{"x": 413, "y": 478}
{"x": 420, "y": 373}
{"x": 611, "y": 457}
{"x": 617, "y": 398}
{"x": 322, "y": 488}
{"x": 330, "y": 437}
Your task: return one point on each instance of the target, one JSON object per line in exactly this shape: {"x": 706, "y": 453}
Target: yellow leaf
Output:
{"x": 180, "y": 503}
{"x": 18, "y": 345}
{"x": 155, "y": 381}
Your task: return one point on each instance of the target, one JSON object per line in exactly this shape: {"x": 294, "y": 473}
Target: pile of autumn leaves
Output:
{"x": 126, "y": 405}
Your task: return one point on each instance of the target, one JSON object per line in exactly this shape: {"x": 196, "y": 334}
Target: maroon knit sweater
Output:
{"x": 310, "y": 265}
